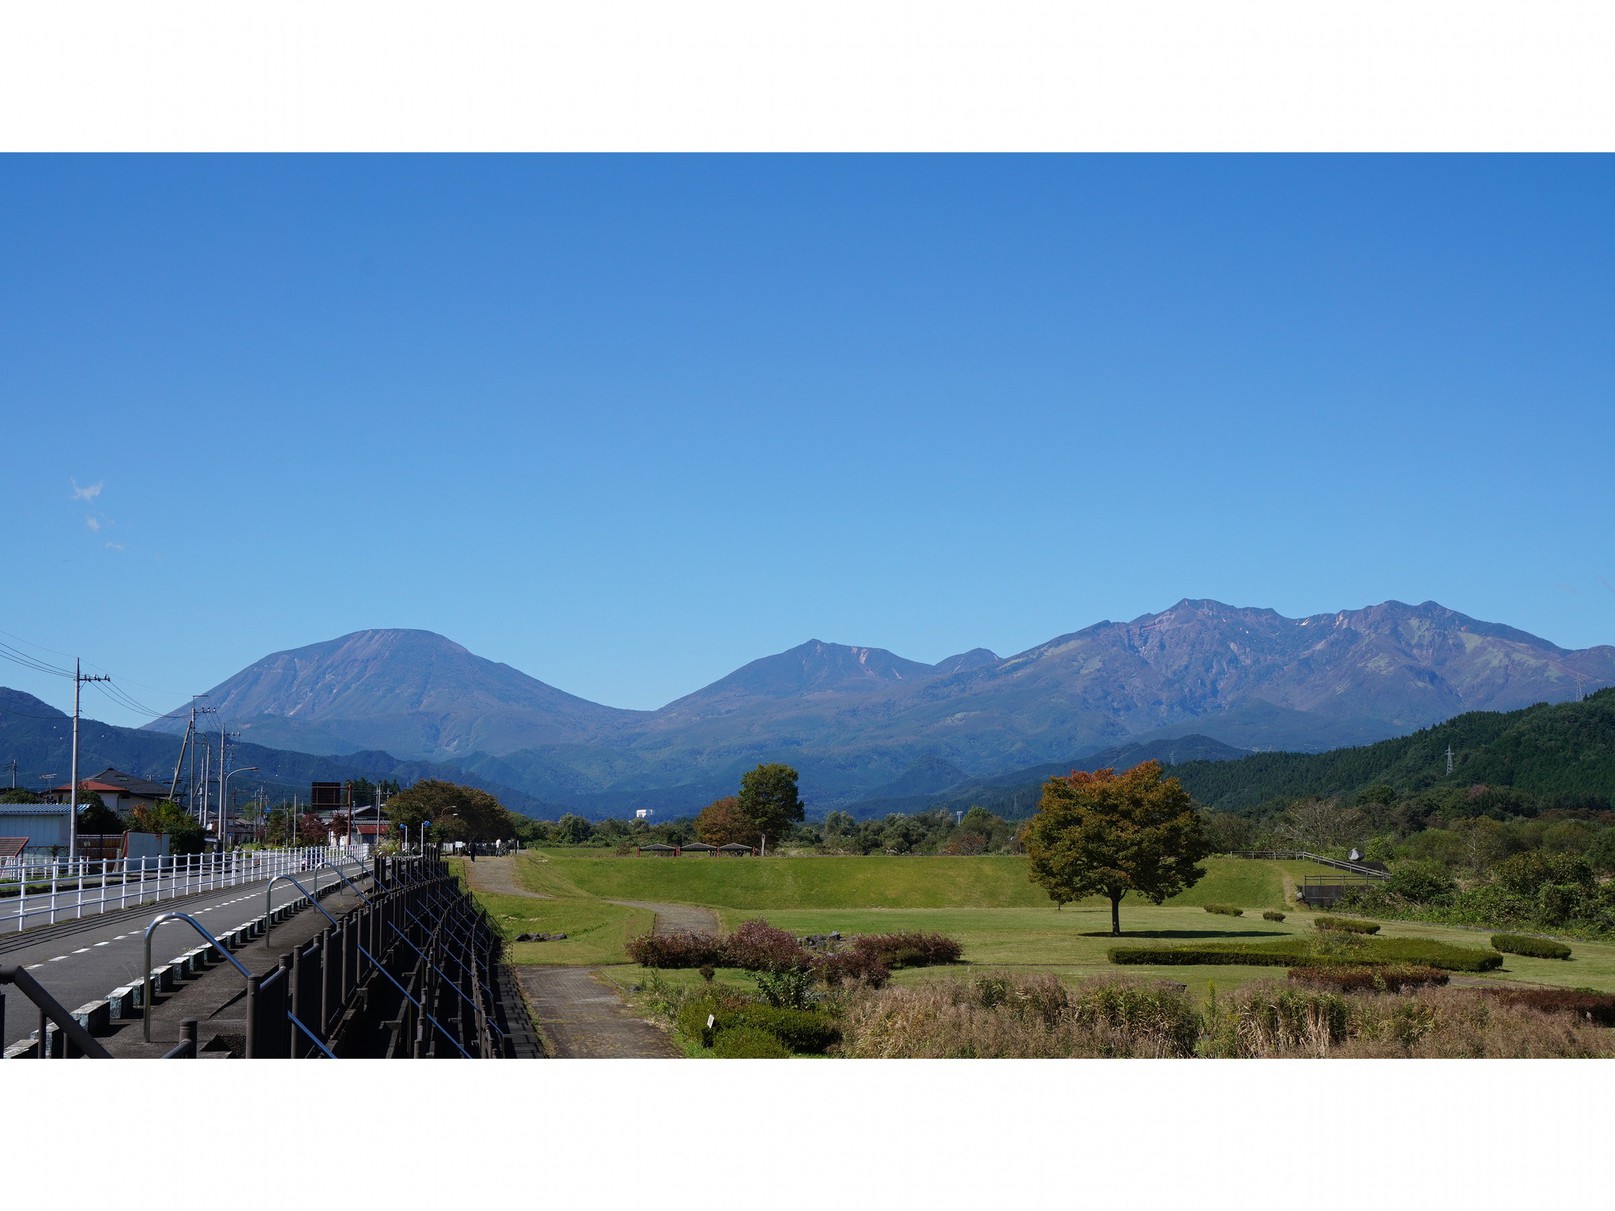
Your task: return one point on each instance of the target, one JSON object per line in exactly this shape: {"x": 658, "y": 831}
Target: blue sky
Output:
{"x": 628, "y": 422}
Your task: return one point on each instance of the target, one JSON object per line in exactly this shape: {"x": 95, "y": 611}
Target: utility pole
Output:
{"x": 222, "y": 768}
{"x": 73, "y": 794}
{"x": 13, "y": 773}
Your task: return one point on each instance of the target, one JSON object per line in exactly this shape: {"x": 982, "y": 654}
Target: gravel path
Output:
{"x": 677, "y": 918}
{"x": 580, "y": 1014}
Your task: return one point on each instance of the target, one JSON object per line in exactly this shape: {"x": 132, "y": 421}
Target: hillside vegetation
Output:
{"x": 1564, "y": 755}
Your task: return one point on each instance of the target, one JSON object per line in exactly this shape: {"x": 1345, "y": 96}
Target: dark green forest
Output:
{"x": 1533, "y": 760}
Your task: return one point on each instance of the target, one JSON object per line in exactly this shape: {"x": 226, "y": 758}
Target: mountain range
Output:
{"x": 861, "y": 724}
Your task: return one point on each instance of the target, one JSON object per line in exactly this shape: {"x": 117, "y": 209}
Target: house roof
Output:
{"x": 88, "y": 784}
{"x": 118, "y": 783}
{"x": 10, "y": 847}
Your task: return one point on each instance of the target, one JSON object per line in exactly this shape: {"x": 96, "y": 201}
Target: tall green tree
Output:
{"x": 1104, "y": 833}
{"x": 185, "y": 835}
{"x": 769, "y": 800}
{"x": 456, "y": 812}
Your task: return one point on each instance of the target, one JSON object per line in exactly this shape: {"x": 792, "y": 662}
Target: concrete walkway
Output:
{"x": 580, "y": 1014}
{"x": 582, "y": 1017}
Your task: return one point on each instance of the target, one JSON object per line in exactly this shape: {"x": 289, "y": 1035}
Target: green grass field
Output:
{"x": 1004, "y": 922}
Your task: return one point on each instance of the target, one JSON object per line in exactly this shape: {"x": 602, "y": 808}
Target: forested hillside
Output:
{"x": 1560, "y": 756}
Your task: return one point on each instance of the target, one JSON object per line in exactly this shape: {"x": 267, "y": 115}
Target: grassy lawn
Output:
{"x": 1004, "y": 922}
{"x": 595, "y": 930}
{"x": 876, "y": 881}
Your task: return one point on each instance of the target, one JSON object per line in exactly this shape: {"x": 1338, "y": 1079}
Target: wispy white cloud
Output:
{"x": 114, "y": 546}
{"x": 89, "y": 493}
{"x": 94, "y": 523}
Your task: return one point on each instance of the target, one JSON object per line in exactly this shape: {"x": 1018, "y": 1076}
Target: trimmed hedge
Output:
{"x": 1227, "y": 910}
{"x": 1305, "y": 952}
{"x": 1388, "y": 977}
{"x": 803, "y": 1031}
{"x": 1346, "y": 925}
{"x": 1524, "y": 944}
{"x": 1596, "y": 1007}
{"x": 1270, "y": 915}
{"x": 748, "y": 1043}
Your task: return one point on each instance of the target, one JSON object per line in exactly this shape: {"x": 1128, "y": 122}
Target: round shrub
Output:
{"x": 1227, "y": 910}
{"x": 1523, "y": 944}
{"x": 1270, "y": 915}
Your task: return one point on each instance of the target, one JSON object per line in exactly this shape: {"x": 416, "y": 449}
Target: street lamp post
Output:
{"x": 224, "y": 802}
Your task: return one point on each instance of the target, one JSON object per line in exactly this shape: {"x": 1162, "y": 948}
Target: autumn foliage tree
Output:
{"x": 722, "y": 821}
{"x": 1104, "y": 833}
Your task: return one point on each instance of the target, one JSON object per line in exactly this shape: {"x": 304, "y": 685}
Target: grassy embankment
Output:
{"x": 1003, "y": 920}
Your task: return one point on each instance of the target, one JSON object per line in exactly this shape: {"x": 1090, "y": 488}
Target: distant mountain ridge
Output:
{"x": 859, "y": 720}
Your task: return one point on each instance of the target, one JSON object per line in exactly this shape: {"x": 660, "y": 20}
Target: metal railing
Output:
{"x": 1291, "y": 855}
{"x": 212, "y": 941}
{"x": 72, "y": 1035}
{"x": 45, "y": 892}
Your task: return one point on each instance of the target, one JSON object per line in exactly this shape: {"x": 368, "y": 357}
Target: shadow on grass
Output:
{"x": 1185, "y": 933}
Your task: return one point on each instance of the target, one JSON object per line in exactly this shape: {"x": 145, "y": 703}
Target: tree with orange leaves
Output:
{"x": 1104, "y": 833}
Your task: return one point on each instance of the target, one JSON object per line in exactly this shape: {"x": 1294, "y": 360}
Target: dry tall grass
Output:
{"x": 1015, "y": 1017}
{"x": 1005, "y": 1017}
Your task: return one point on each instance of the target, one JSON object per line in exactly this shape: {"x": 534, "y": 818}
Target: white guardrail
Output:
{"x": 43, "y": 891}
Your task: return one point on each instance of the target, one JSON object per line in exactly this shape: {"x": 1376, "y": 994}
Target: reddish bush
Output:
{"x": 758, "y": 946}
{"x": 910, "y": 948}
{"x": 851, "y": 966}
{"x": 676, "y": 950}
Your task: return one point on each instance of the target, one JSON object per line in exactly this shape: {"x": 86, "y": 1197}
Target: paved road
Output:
{"x": 84, "y": 960}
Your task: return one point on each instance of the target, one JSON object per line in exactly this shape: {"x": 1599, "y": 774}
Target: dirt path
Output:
{"x": 580, "y": 1015}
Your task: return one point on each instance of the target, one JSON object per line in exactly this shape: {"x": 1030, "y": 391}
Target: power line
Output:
{"x": 7, "y": 652}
